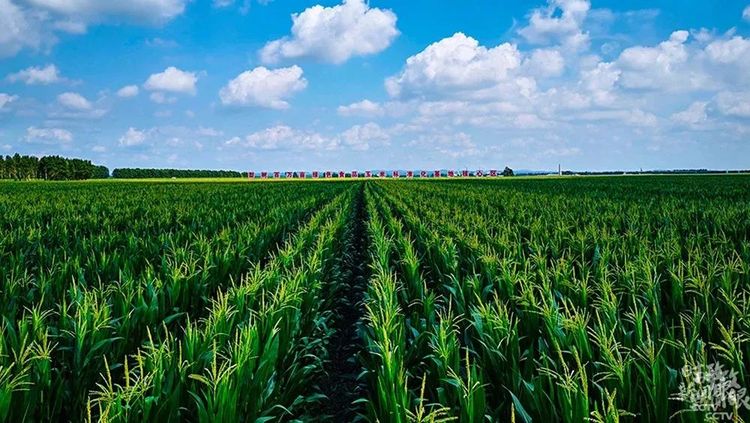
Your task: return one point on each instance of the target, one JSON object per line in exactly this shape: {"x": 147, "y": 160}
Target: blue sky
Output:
{"x": 265, "y": 85}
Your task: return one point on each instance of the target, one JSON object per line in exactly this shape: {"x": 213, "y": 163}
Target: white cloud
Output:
{"x": 456, "y": 64}
{"x": 693, "y": 115}
{"x": 47, "y": 135}
{"x": 455, "y": 145}
{"x": 132, "y": 137}
{"x": 545, "y": 63}
{"x": 362, "y": 137}
{"x": 71, "y": 27}
{"x": 658, "y": 67}
{"x": 19, "y": 29}
{"x": 733, "y": 50}
{"x": 137, "y": 11}
{"x": 283, "y": 137}
{"x": 37, "y": 75}
{"x": 600, "y": 81}
{"x": 734, "y": 103}
{"x": 559, "y": 23}
{"x": 6, "y": 99}
{"x": 161, "y": 98}
{"x": 746, "y": 13}
{"x": 128, "y": 91}
{"x": 335, "y": 34}
{"x": 208, "y": 132}
{"x": 34, "y": 24}
{"x": 365, "y": 108}
{"x": 74, "y": 101}
{"x": 99, "y": 149}
{"x": 263, "y": 87}
{"x": 172, "y": 80}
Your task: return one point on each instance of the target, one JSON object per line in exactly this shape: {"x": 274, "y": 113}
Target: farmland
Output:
{"x": 550, "y": 299}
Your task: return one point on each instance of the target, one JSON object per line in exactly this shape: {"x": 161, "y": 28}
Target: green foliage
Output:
{"x": 53, "y": 168}
{"x": 137, "y": 173}
{"x": 561, "y": 299}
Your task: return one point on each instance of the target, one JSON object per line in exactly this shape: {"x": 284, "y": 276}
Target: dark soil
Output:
{"x": 340, "y": 382}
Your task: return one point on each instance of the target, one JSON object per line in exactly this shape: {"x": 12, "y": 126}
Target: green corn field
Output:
{"x": 571, "y": 299}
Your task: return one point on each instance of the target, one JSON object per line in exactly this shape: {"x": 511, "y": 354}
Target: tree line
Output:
{"x": 52, "y": 168}
{"x": 138, "y": 173}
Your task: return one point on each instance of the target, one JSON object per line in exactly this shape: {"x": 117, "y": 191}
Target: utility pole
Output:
{"x": 559, "y": 170}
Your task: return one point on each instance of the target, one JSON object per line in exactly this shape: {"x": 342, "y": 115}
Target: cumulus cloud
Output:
{"x": 456, "y": 64}
{"x": 545, "y": 63}
{"x": 137, "y": 11}
{"x": 74, "y": 101}
{"x": 559, "y": 23}
{"x": 35, "y": 75}
{"x": 34, "y": 24}
{"x": 263, "y": 87}
{"x": 6, "y": 99}
{"x": 284, "y": 137}
{"x": 36, "y": 135}
{"x": 172, "y": 80}
{"x": 734, "y": 103}
{"x": 455, "y": 145}
{"x": 361, "y": 137}
{"x": 132, "y": 137}
{"x": 128, "y": 91}
{"x": 693, "y": 115}
{"x": 161, "y": 98}
{"x": 365, "y": 108}
{"x": 19, "y": 29}
{"x": 746, "y": 13}
{"x": 335, "y": 34}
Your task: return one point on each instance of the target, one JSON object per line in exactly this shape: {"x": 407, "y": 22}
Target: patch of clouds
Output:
{"x": 37, "y": 75}
{"x": 284, "y": 137}
{"x": 335, "y": 34}
{"x": 559, "y": 23}
{"x": 172, "y": 80}
{"x": 128, "y": 91}
{"x": 694, "y": 115}
{"x": 458, "y": 64}
{"x": 161, "y": 98}
{"x": 74, "y": 101}
{"x": 132, "y": 138}
{"x": 36, "y": 135}
{"x": 732, "y": 103}
{"x": 34, "y": 24}
{"x": 263, "y": 87}
{"x": 6, "y": 100}
{"x": 365, "y": 108}
{"x": 362, "y": 137}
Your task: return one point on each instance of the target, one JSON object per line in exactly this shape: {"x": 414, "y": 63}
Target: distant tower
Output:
{"x": 559, "y": 170}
